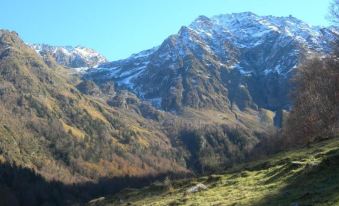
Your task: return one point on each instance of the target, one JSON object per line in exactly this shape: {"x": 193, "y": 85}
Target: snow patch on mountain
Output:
{"x": 246, "y": 43}
{"x": 73, "y": 57}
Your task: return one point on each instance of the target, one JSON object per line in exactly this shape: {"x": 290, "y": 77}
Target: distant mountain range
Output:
{"x": 73, "y": 57}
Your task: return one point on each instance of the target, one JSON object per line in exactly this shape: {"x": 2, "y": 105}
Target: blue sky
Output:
{"x": 118, "y": 28}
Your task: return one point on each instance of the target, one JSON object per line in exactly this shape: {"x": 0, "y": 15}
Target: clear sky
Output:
{"x": 118, "y": 28}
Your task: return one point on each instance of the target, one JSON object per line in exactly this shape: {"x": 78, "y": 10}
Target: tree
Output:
{"x": 315, "y": 111}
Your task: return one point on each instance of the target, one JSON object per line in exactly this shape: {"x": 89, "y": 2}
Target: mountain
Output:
{"x": 76, "y": 130}
{"x": 73, "y": 57}
{"x": 49, "y": 125}
{"x": 207, "y": 98}
{"x": 239, "y": 60}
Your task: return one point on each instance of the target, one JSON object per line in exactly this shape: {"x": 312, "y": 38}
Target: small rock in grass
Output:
{"x": 96, "y": 200}
{"x": 197, "y": 188}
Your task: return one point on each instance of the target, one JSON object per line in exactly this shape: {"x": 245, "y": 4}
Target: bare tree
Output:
{"x": 316, "y": 99}
{"x": 315, "y": 111}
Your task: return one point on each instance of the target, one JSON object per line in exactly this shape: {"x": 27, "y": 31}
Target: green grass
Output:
{"x": 308, "y": 176}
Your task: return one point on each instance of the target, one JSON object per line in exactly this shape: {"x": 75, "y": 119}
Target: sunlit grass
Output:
{"x": 307, "y": 176}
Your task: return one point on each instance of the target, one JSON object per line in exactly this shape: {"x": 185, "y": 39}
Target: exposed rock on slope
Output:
{"x": 241, "y": 60}
{"x": 73, "y": 57}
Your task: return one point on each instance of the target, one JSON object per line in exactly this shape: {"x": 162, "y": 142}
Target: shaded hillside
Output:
{"x": 23, "y": 186}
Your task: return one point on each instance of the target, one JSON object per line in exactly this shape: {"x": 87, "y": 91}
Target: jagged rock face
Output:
{"x": 241, "y": 60}
{"x": 73, "y": 57}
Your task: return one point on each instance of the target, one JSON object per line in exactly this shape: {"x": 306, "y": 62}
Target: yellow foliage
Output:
{"x": 138, "y": 130}
{"x": 68, "y": 94}
{"x": 118, "y": 144}
{"x": 266, "y": 116}
{"x": 74, "y": 131}
{"x": 93, "y": 112}
{"x": 92, "y": 166}
{"x": 268, "y": 113}
{"x": 143, "y": 142}
{"x": 2, "y": 159}
{"x": 142, "y": 134}
{"x": 50, "y": 104}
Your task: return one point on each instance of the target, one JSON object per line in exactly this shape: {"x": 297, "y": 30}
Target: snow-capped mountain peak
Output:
{"x": 73, "y": 57}
{"x": 205, "y": 62}
{"x": 247, "y": 26}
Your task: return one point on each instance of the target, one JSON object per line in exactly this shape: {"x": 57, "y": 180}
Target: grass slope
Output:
{"x": 307, "y": 176}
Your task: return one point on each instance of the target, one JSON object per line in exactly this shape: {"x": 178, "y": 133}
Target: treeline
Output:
{"x": 210, "y": 148}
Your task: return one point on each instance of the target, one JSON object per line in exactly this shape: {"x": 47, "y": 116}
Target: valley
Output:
{"x": 241, "y": 106}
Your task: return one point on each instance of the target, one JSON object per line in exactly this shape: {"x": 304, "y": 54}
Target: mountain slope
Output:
{"x": 77, "y": 130}
{"x": 48, "y": 125}
{"x": 73, "y": 57}
{"x": 305, "y": 176}
{"x": 241, "y": 60}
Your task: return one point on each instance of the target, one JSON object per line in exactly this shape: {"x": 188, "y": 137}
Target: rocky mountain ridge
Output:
{"x": 237, "y": 60}
{"x": 78, "y": 57}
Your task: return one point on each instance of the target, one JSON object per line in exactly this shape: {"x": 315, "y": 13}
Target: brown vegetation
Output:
{"x": 315, "y": 111}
